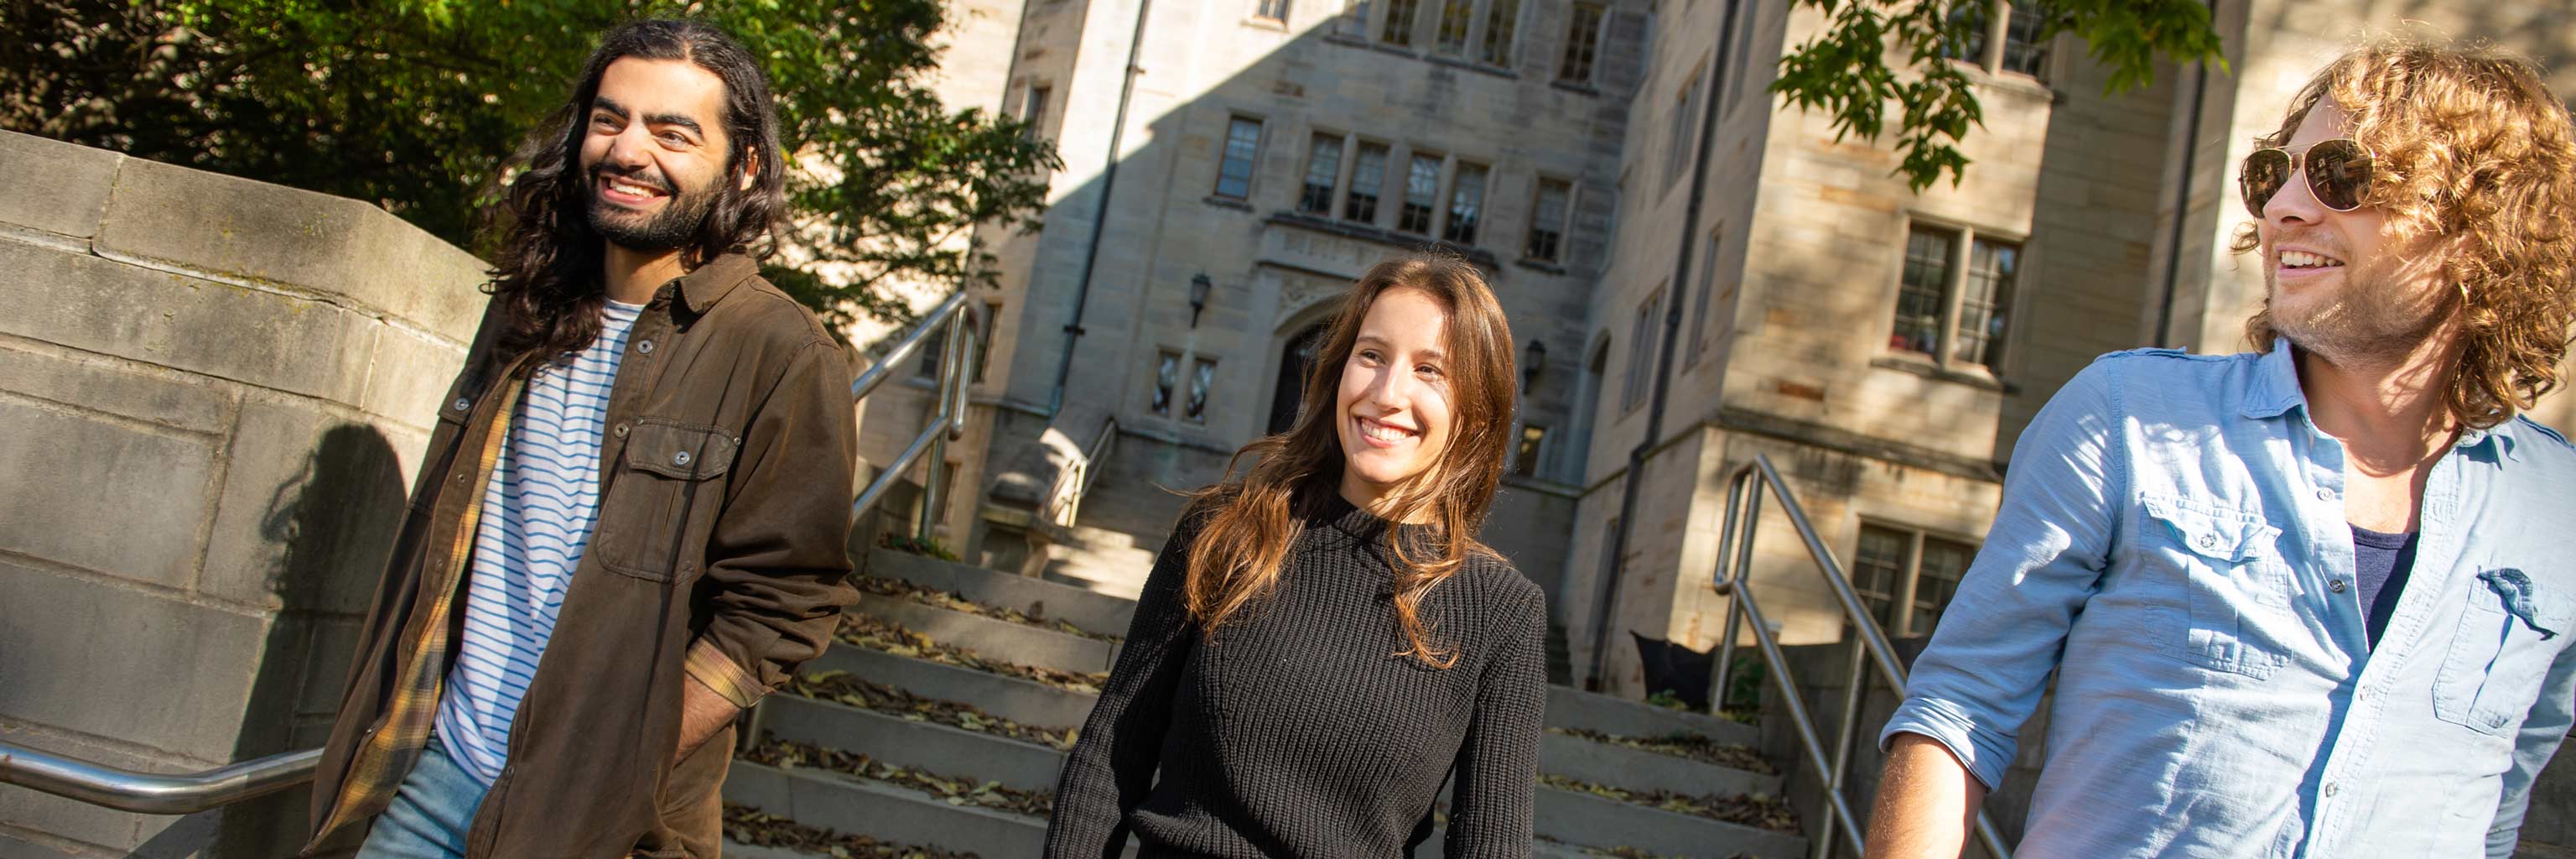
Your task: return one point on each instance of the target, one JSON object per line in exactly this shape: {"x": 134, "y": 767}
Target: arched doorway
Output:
{"x": 1295, "y": 360}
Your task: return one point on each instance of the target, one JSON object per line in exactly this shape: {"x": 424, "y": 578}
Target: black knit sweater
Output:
{"x": 1297, "y": 732}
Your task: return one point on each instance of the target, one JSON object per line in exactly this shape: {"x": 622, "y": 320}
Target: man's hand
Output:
{"x": 1927, "y": 802}
{"x": 703, "y": 713}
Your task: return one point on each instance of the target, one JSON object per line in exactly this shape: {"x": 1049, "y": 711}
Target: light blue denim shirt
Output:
{"x": 2172, "y": 541}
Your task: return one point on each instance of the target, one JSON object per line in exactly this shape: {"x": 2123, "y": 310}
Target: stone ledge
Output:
{"x": 269, "y": 236}
{"x": 54, "y": 187}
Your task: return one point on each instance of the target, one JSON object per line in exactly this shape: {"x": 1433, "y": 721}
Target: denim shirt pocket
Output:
{"x": 2509, "y": 633}
{"x": 2236, "y": 587}
{"x": 645, "y": 509}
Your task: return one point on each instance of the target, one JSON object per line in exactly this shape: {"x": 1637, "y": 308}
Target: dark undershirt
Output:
{"x": 2380, "y": 565}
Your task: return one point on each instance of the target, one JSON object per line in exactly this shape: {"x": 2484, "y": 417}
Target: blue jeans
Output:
{"x": 430, "y": 812}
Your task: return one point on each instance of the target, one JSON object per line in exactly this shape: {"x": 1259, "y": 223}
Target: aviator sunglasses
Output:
{"x": 2338, "y": 172}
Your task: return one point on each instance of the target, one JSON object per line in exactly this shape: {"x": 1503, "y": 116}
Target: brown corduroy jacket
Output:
{"x": 718, "y": 553}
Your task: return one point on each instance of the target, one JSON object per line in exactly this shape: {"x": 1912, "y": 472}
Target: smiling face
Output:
{"x": 1393, "y": 408}
{"x": 2338, "y": 283}
{"x": 654, "y": 152}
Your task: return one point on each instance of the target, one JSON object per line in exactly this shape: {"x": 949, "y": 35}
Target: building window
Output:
{"x": 1970, "y": 305}
{"x": 1323, "y": 168}
{"x": 1354, "y": 19}
{"x": 1985, "y": 303}
{"x": 1202, "y": 377}
{"x": 1451, "y": 37}
{"x": 1919, "y": 294}
{"x": 1502, "y": 22}
{"x": 1547, "y": 220}
{"x": 1234, "y": 172}
{"x": 1368, "y": 175}
{"x": 1526, "y": 451}
{"x": 1685, "y": 114}
{"x": 1707, "y": 296}
{"x": 1642, "y": 339}
{"x": 1033, "y": 111}
{"x": 1421, "y": 192}
{"x": 1398, "y": 29}
{"x": 1167, "y": 376}
{"x": 2024, "y": 50}
{"x": 1466, "y": 204}
{"x": 1275, "y": 10}
{"x": 1905, "y": 567}
{"x": 1582, "y": 44}
{"x": 1742, "y": 12}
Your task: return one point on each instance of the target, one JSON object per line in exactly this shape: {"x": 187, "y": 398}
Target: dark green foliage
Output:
{"x": 413, "y": 104}
{"x": 1880, "y": 52}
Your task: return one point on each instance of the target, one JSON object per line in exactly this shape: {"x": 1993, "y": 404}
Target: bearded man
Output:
{"x": 2314, "y": 601}
{"x": 630, "y": 521}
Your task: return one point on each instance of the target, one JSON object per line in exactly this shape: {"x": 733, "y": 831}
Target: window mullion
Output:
{"x": 1998, "y": 28}
{"x": 1953, "y": 292}
{"x": 1903, "y": 621}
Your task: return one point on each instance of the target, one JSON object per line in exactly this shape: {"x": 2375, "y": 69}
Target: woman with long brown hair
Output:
{"x": 1323, "y": 642}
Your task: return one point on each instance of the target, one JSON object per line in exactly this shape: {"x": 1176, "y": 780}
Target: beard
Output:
{"x": 2368, "y": 319}
{"x": 666, "y": 230}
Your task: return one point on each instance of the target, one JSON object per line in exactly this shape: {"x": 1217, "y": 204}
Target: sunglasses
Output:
{"x": 2338, "y": 172}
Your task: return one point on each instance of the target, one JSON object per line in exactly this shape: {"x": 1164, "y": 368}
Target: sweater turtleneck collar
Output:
{"x": 1350, "y": 519}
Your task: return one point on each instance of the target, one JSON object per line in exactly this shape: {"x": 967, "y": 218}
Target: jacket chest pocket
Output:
{"x": 2509, "y": 633}
{"x": 663, "y": 477}
{"x": 2235, "y": 587}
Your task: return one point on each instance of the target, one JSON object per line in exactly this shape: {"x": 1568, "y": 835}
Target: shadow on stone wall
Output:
{"x": 335, "y": 521}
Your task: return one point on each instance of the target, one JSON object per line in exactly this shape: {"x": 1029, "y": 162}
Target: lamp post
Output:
{"x": 1199, "y": 287}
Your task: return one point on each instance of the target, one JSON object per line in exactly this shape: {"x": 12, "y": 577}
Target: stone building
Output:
{"x": 1698, "y": 273}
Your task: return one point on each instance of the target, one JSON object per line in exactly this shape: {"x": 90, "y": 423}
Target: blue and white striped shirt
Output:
{"x": 538, "y": 511}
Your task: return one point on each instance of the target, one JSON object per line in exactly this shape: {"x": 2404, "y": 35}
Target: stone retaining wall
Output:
{"x": 213, "y": 393}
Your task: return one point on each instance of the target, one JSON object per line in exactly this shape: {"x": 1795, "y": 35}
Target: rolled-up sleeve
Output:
{"x": 1983, "y": 673}
{"x": 778, "y": 561}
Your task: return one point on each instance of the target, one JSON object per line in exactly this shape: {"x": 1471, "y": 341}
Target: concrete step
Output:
{"x": 889, "y": 812}
{"x": 1579, "y": 818}
{"x": 1096, "y": 613}
{"x": 996, "y": 639}
{"x": 903, "y": 742}
{"x": 1027, "y": 702}
{"x": 1637, "y": 769}
{"x": 1103, "y": 561}
{"x": 1568, "y": 707}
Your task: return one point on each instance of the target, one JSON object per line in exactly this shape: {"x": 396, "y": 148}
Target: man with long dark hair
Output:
{"x": 630, "y": 520}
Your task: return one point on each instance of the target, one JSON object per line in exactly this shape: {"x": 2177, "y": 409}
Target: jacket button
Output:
{"x": 462, "y": 404}
{"x": 621, "y": 430}
{"x": 2208, "y": 541}
{"x": 644, "y": 346}
{"x": 681, "y": 458}
{"x": 2335, "y": 586}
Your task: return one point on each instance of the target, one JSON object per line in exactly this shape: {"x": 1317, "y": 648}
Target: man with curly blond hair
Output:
{"x": 2314, "y": 600}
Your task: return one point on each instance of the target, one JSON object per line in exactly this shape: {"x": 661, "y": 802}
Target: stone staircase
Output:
{"x": 935, "y": 725}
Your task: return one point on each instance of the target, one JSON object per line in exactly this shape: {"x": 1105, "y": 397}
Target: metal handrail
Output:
{"x": 148, "y": 793}
{"x": 1735, "y": 547}
{"x": 946, "y": 424}
{"x": 1065, "y": 508}
{"x": 189, "y": 793}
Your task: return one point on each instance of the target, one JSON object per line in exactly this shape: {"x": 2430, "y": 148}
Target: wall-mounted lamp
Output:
{"x": 1199, "y": 287}
{"x": 1533, "y": 359}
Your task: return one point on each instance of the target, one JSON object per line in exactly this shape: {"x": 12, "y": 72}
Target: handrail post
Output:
{"x": 1730, "y": 540}
{"x": 1747, "y": 484}
{"x": 942, "y": 426}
